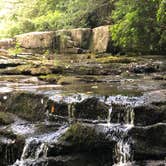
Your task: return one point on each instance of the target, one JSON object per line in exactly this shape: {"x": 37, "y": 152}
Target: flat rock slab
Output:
{"x": 35, "y": 40}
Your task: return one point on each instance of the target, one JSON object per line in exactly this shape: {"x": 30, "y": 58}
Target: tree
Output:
{"x": 136, "y": 27}
{"x": 42, "y": 15}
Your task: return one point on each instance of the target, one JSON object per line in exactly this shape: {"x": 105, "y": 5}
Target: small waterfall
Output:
{"x": 120, "y": 121}
{"x": 36, "y": 147}
{"x": 109, "y": 116}
{"x": 123, "y": 153}
{"x": 123, "y": 114}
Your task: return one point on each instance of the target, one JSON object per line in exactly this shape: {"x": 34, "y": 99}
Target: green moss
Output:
{"x": 115, "y": 59}
{"x": 53, "y": 78}
{"x": 27, "y": 106}
{"x": 6, "y": 118}
{"x": 79, "y": 135}
{"x": 67, "y": 80}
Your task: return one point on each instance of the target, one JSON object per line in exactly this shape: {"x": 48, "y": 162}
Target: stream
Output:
{"x": 110, "y": 123}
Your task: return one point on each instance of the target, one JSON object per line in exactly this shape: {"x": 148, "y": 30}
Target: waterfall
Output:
{"x": 36, "y": 147}
{"x": 120, "y": 121}
{"x": 109, "y": 116}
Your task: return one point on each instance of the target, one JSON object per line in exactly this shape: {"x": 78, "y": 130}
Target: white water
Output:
{"x": 36, "y": 147}
{"x": 118, "y": 132}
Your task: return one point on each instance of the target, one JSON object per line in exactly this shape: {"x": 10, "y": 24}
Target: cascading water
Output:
{"x": 120, "y": 121}
{"x": 36, "y": 147}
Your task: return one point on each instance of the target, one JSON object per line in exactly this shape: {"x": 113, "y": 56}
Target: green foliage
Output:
{"x": 139, "y": 25}
{"x": 16, "y": 50}
{"x": 42, "y": 15}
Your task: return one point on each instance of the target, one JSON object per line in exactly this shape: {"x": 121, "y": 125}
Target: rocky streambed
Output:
{"x": 87, "y": 110}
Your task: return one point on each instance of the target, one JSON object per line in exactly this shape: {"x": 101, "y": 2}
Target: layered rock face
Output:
{"x": 100, "y": 39}
{"x": 72, "y": 41}
{"x": 6, "y": 43}
{"x": 35, "y": 40}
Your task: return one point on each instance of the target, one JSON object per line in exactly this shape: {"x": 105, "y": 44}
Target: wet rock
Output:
{"x": 71, "y": 160}
{"x": 149, "y": 114}
{"x": 92, "y": 109}
{"x": 51, "y": 78}
{"x": 142, "y": 115}
{"x": 26, "y": 105}
{"x": 6, "y": 43}
{"x": 31, "y": 69}
{"x": 6, "y": 118}
{"x": 161, "y": 76}
{"x": 88, "y": 109}
{"x": 150, "y": 163}
{"x": 122, "y": 113}
{"x": 11, "y": 147}
{"x": 80, "y": 138}
{"x": 115, "y": 59}
{"x": 36, "y": 40}
{"x": 149, "y": 142}
{"x": 156, "y": 96}
{"x": 100, "y": 39}
{"x": 58, "y": 108}
{"x": 145, "y": 68}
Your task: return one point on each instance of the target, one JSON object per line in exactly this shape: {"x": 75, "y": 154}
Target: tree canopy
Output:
{"x": 136, "y": 25}
{"x": 140, "y": 25}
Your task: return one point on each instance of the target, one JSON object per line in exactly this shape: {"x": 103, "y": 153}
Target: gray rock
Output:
{"x": 36, "y": 40}
{"x": 6, "y": 43}
{"x": 149, "y": 142}
{"x": 100, "y": 39}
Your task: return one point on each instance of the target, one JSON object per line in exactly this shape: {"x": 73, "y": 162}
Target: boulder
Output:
{"x": 149, "y": 142}
{"x": 88, "y": 110}
{"x": 26, "y": 105}
{"x": 92, "y": 109}
{"x": 73, "y": 41}
{"x": 36, "y": 40}
{"x": 149, "y": 114}
{"x": 100, "y": 39}
{"x": 81, "y": 36}
{"x": 6, "y": 118}
{"x": 142, "y": 115}
{"x": 6, "y": 43}
{"x": 83, "y": 139}
{"x": 145, "y": 68}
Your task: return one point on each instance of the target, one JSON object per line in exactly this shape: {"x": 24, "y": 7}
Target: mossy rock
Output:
{"x": 115, "y": 59}
{"x": 6, "y": 118}
{"x": 29, "y": 106}
{"x": 92, "y": 109}
{"x": 82, "y": 137}
{"x": 51, "y": 78}
{"x": 65, "y": 80}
